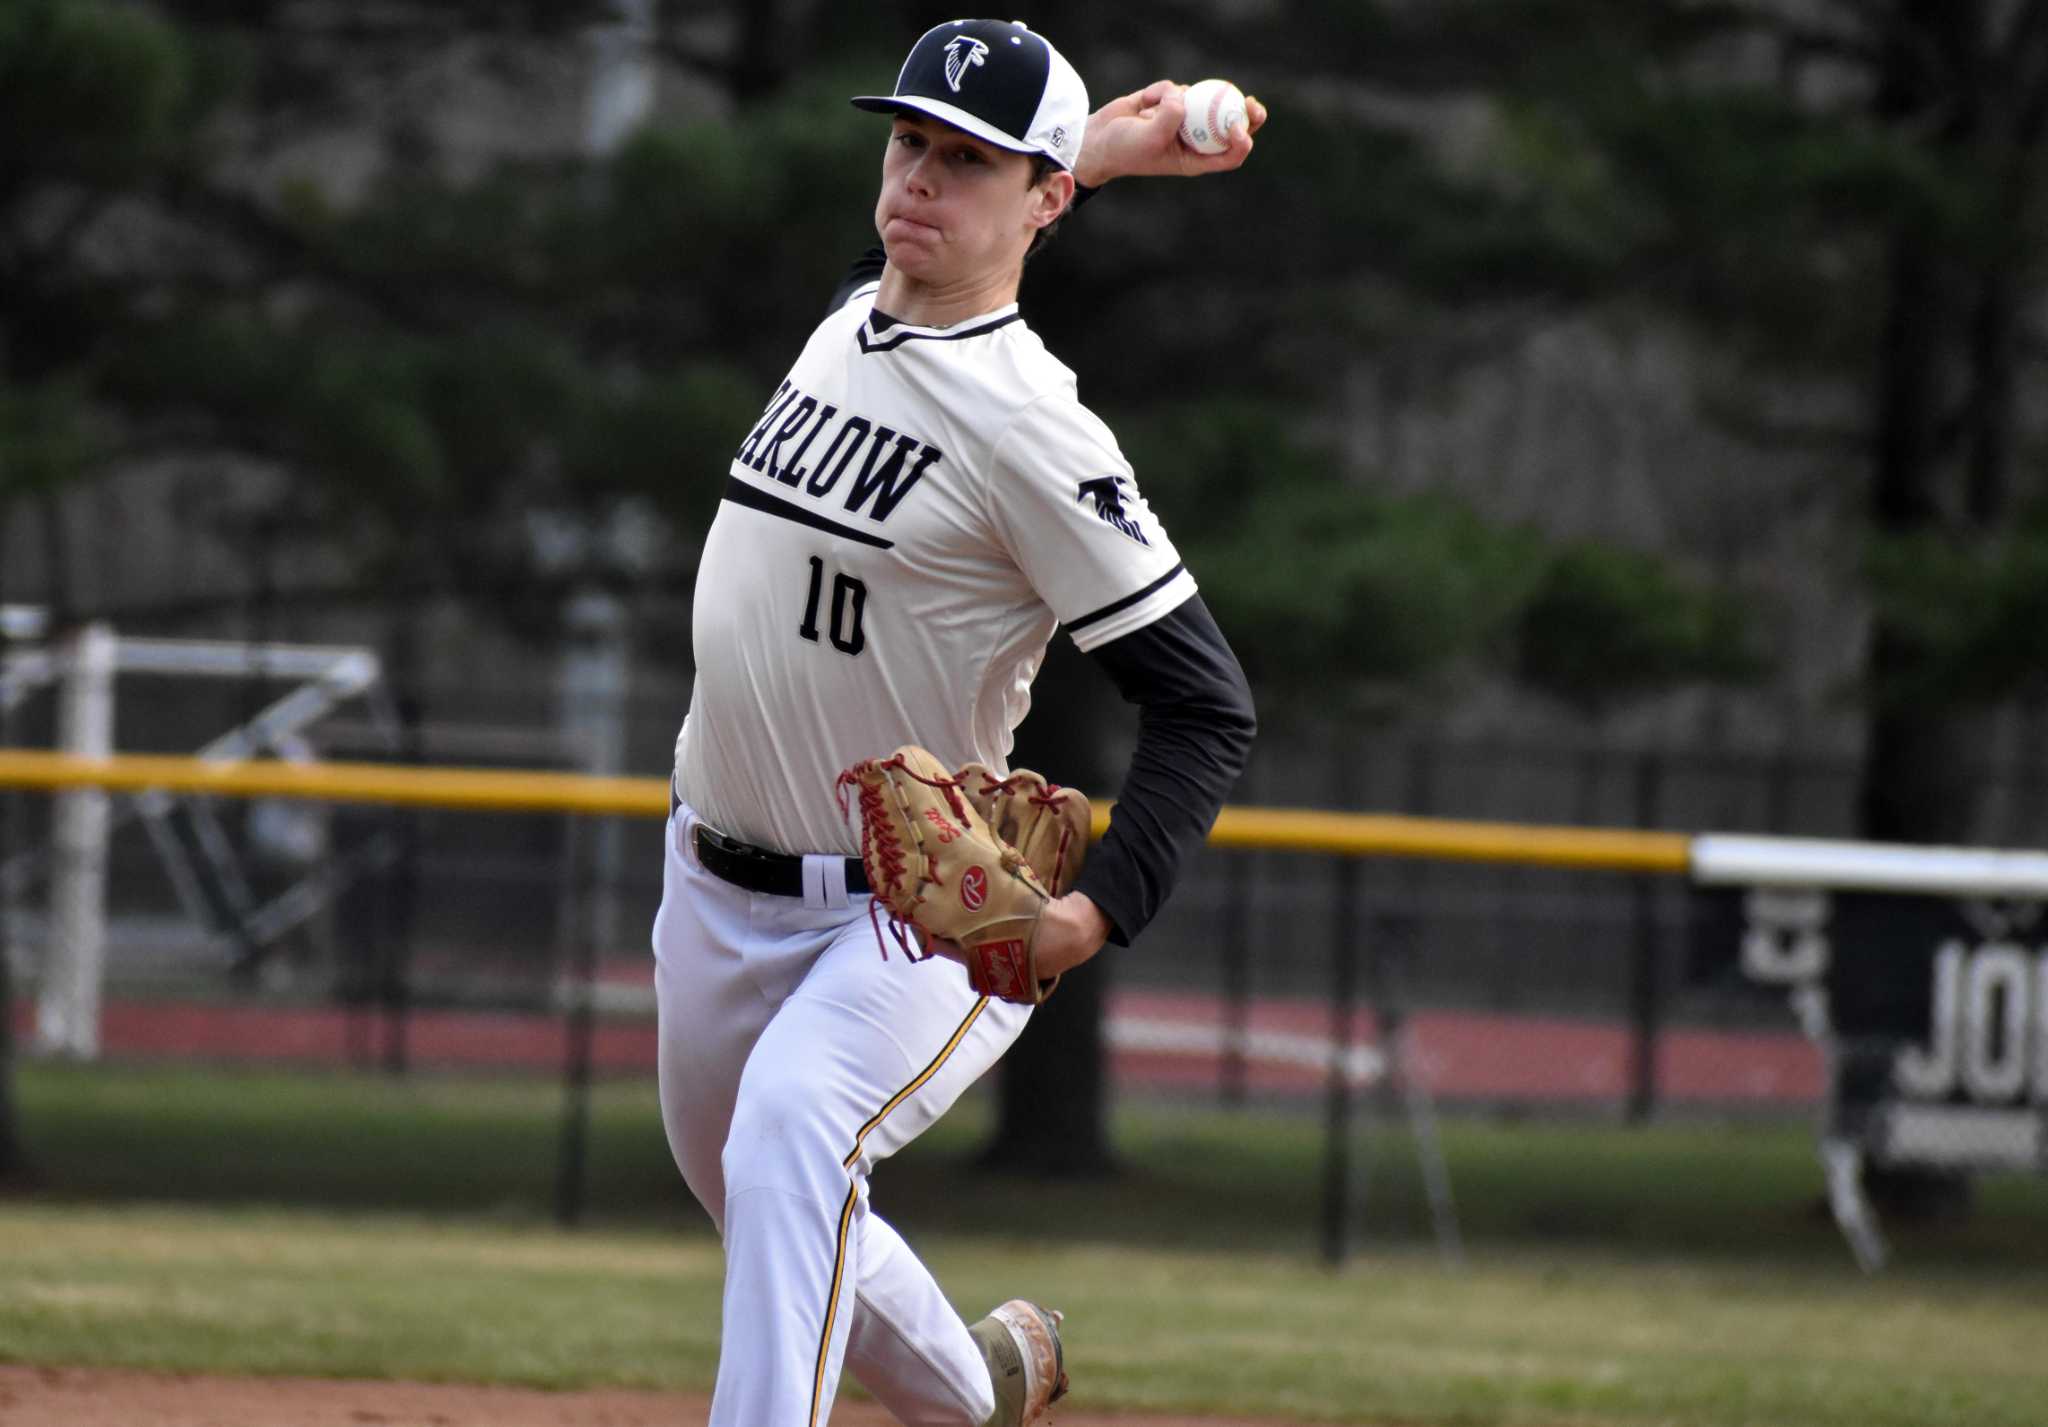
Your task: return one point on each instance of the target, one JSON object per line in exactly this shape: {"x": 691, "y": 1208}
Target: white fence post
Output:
{"x": 68, "y": 1007}
{"x": 595, "y": 676}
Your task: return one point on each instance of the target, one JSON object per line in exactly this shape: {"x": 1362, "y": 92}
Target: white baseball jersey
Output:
{"x": 916, "y": 512}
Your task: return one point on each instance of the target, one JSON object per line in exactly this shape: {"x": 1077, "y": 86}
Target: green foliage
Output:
{"x": 1332, "y": 588}
{"x": 92, "y": 91}
{"x": 556, "y": 335}
{"x": 442, "y": 248}
{"x": 410, "y": 442}
{"x": 433, "y": 364}
{"x": 1840, "y": 200}
{"x": 1761, "y": 223}
{"x": 741, "y": 229}
{"x": 95, "y": 99}
{"x": 536, "y": 339}
{"x": 45, "y": 438}
{"x": 1326, "y": 585}
{"x": 1971, "y": 614}
{"x": 440, "y": 361}
{"x": 1340, "y": 581}
{"x": 662, "y": 440}
{"x": 1606, "y": 624}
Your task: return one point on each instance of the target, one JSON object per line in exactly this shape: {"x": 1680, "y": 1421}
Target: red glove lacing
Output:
{"x": 882, "y": 851}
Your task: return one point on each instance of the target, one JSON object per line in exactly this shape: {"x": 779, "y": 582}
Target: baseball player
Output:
{"x": 923, "y": 501}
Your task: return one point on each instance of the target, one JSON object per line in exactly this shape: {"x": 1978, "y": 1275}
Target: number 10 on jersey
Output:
{"x": 849, "y": 602}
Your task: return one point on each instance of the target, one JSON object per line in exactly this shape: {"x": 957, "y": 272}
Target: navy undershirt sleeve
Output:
{"x": 1195, "y": 729}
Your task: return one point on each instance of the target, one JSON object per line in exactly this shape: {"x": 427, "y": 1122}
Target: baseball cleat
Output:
{"x": 1021, "y": 1344}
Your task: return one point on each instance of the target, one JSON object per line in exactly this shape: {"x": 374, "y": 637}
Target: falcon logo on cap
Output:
{"x": 964, "y": 52}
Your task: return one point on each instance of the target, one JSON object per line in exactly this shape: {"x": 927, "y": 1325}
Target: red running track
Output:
{"x": 1458, "y": 1055}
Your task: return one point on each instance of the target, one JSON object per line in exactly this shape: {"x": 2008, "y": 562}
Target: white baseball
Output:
{"x": 1214, "y": 106}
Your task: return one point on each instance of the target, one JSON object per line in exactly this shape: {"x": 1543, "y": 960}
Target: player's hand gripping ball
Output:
{"x": 934, "y": 861}
{"x": 1215, "y": 106}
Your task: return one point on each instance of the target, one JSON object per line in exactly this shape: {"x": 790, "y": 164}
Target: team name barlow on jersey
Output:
{"x": 886, "y": 473}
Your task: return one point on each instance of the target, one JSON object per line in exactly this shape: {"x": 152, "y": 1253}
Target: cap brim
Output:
{"x": 947, "y": 114}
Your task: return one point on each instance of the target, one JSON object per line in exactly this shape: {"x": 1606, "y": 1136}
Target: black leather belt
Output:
{"x": 779, "y": 874}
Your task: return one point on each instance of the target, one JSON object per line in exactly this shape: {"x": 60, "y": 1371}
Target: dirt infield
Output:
{"x": 90, "y": 1397}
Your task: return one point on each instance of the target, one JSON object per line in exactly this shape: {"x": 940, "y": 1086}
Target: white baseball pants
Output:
{"x": 794, "y": 1055}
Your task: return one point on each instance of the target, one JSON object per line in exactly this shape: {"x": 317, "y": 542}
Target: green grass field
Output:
{"x": 336, "y": 1225}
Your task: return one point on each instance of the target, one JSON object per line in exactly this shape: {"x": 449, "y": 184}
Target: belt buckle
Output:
{"x": 731, "y": 847}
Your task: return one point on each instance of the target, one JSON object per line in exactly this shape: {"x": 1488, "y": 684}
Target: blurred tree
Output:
{"x": 461, "y": 375}
{"x": 1374, "y": 235}
{"x": 1606, "y": 625}
{"x": 13, "y": 1163}
{"x": 1844, "y": 196}
{"x": 436, "y": 361}
{"x": 91, "y": 99}
{"x": 1966, "y": 85}
{"x": 1838, "y": 196}
{"x": 160, "y": 299}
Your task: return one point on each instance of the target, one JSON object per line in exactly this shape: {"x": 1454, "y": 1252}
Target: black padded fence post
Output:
{"x": 1237, "y": 978}
{"x": 395, "y": 979}
{"x": 1646, "y": 992}
{"x": 572, "y": 1161}
{"x": 408, "y": 836}
{"x": 10, "y": 1145}
{"x": 260, "y": 628}
{"x": 1337, "y": 1171}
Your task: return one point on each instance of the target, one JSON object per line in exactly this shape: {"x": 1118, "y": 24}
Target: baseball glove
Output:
{"x": 1045, "y": 822}
{"x": 933, "y": 860}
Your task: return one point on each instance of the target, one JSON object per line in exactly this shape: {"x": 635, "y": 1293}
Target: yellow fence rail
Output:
{"x": 508, "y": 790}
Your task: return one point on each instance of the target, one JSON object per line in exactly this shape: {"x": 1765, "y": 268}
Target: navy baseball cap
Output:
{"x": 997, "y": 81}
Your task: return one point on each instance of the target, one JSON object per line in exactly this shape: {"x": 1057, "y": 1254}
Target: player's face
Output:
{"x": 952, "y": 208}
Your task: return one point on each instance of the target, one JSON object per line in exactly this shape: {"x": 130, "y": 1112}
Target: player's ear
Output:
{"x": 1051, "y": 197}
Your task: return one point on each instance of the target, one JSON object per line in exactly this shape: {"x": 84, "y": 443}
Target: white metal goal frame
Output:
{"x": 207, "y": 877}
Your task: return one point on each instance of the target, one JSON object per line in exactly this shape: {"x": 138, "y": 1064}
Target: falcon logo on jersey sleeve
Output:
{"x": 961, "y": 55}
{"x": 1108, "y": 494}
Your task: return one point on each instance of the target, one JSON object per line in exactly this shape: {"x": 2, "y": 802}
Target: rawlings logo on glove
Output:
{"x": 973, "y": 889}
{"x": 968, "y": 858}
